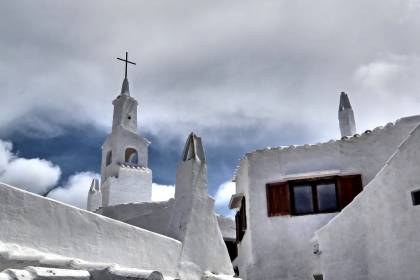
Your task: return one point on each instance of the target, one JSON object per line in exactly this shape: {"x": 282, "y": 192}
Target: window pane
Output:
{"x": 303, "y": 199}
{"x": 327, "y": 199}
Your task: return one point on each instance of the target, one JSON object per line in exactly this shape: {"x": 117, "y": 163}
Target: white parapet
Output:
{"x": 43, "y": 224}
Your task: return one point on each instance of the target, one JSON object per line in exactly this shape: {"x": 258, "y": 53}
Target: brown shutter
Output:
{"x": 348, "y": 188}
{"x": 238, "y": 227}
{"x": 243, "y": 215}
{"x": 278, "y": 199}
{"x": 240, "y": 219}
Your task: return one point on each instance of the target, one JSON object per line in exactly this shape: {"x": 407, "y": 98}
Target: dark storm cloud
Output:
{"x": 203, "y": 62}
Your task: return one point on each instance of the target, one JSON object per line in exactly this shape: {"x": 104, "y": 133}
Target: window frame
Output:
{"x": 313, "y": 183}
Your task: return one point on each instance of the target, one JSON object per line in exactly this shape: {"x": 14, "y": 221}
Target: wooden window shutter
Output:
{"x": 238, "y": 227}
{"x": 240, "y": 220}
{"x": 348, "y": 187}
{"x": 278, "y": 199}
{"x": 243, "y": 214}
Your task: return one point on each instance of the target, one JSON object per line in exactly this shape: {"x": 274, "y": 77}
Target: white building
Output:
{"x": 338, "y": 210}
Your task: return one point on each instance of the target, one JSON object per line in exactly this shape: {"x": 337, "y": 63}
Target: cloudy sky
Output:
{"x": 241, "y": 74}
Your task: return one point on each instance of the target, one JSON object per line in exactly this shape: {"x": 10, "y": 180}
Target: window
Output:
{"x": 240, "y": 220}
{"x": 316, "y": 196}
{"x": 416, "y": 197}
{"x": 311, "y": 196}
{"x": 108, "y": 158}
{"x": 131, "y": 156}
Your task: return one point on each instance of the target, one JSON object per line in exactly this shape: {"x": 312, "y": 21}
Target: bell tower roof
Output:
{"x": 125, "y": 89}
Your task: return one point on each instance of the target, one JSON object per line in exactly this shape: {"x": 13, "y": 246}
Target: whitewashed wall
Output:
{"x": 118, "y": 141}
{"x": 276, "y": 248}
{"x": 377, "y": 236}
{"x": 131, "y": 185}
{"x": 227, "y": 227}
{"x": 153, "y": 216}
{"x": 49, "y": 226}
{"x": 194, "y": 222}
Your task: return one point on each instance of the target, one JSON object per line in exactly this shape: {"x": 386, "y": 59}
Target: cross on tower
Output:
{"x": 126, "y": 62}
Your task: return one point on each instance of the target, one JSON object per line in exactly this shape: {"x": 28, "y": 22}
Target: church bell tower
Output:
{"x": 125, "y": 176}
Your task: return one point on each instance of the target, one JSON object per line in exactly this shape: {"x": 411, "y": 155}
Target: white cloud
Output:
{"x": 392, "y": 74}
{"x": 75, "y": 190}
{"x": 382, "y": 81}
{"x": 224, "y": 193}
{"x": 162, "y": 192}
{"x": 34, "y": 175}
{"x": 377, "y": 75}
{"x": 222, "y": 197}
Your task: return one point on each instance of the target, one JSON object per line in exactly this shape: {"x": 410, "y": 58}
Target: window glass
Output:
{"x": 303, "y": 199}
{"x": 327, "y": 198}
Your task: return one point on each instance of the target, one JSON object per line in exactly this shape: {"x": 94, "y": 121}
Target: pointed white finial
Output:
{"x": 193, "y": 149}
{"x": 94, "y": 186}
{"x": 344, "y": 102}
{"x": 346, "y": 116}
{"x": 94, "y": 200}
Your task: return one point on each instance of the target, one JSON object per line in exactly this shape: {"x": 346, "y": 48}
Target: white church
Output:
{"x": 41, "y": 238}
{"x": 345, "y": 209}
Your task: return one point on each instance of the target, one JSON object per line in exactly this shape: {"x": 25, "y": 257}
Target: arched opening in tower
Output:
{"x": 108, "y": 158}
{"x": 131, "y": 156}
